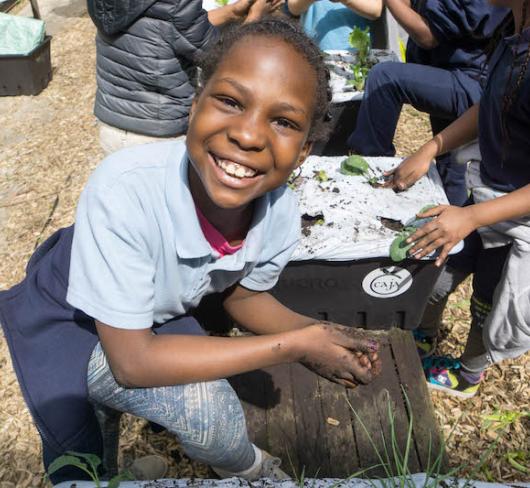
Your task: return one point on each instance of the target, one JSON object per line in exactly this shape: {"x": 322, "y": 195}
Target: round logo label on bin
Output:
{"x": 387, "y": 282}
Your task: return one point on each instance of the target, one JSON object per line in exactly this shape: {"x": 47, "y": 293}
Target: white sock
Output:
{"x": 257, "y": 461}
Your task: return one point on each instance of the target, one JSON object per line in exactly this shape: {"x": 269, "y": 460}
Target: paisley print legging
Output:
{"x": 207, "y": 417}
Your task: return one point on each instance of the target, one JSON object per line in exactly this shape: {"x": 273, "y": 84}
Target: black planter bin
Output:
{"x": 338, "y": 291}
{"x": 343, "y": 123}
{"x": 26, "y": 75}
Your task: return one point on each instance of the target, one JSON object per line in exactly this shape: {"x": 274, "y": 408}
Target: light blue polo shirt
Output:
{"x": 139, "y": 256}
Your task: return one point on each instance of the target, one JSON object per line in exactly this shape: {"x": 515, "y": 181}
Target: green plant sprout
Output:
{"x": 359, "y": 39}
{"x": 394, "y": 459}
{"x": 320, "y": 175}
{"x": 399, "y": 248}
{"x": 221, "y": 3}
{"x": 88, "y": 463}
{"x": 356, "y": 165}
{"x": 502, "y": 419}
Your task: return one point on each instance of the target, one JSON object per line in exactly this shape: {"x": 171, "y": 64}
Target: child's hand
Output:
{"x": 241, "y": 8}
{"x": 451, "y": 225}
{"x": 344, "y": 355}
{"x": 409, "y": 171}
{"x": 262, "y": 8}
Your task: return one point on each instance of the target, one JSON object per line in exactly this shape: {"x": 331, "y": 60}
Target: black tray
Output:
{"x": 26, "y": 75}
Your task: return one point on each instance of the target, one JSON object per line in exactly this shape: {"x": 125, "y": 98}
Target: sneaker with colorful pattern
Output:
{"x": 424, "y": 344}
{"x": 444, "y": 373}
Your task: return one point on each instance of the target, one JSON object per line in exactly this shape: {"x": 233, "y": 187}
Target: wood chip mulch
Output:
{"x": 48, "y": 147}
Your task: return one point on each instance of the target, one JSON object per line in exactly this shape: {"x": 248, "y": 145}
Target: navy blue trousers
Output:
{"x": 50, "y": 344}
{"x": 440, "y": 93}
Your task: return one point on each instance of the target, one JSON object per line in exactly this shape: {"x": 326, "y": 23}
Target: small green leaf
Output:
{"x": 65, "y": 460}
{"x": 115, "y": 482}
{"x": 93, "y": 460}
{"x": 320, "y": 175}
{"x": 399, "y": 247}
{"x": 516, "y": 458}
{"x": 354, "y": 166}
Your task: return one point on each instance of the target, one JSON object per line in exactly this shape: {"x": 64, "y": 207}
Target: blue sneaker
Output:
{"x": 444, "y": 373}
{"x": 424, "y": 344}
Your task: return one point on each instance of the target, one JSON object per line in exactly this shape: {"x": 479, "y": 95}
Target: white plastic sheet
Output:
{"x": 352, "y": 209}
{"x": 419, "y": 480}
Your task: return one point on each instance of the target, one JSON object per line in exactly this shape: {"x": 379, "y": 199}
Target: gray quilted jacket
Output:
{"x": 146, "y": 54}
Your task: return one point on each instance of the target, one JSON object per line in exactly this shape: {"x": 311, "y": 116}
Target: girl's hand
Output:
{"x": 451, "y": 225}
{"x": 241, "y": 8}
{"x": 409, "y": 171}
{"x": 344, "y": 355}
{"x": 262, "y": 8}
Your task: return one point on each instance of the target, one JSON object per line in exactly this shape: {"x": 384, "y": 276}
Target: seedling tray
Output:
{"x": 341, "y": 270}
{"x": 26, "y": 75}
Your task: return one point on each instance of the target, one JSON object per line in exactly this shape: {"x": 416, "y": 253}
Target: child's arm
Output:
{"x": 298, "y": 7}
{"x": 415, "y": 25}
{"x": 233, "y": 12}
{"x": 452, "y": 224}
{"x": 461, "y": 131}
{"x": 261, "y": 313}
{"x": 371, "y": 9}
{"x": 139, "y": 358}
{"x": 262, "y": 8}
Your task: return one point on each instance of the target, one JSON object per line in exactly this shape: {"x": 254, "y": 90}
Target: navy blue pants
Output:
{"x": 438, "y": 92}
{"x": 50, "y": 344}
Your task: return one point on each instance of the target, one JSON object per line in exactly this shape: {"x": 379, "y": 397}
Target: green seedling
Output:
{"x": 399, "y": 248}
{"x": 356, "y": 165}
{"x": 221, "y": 3}
{"x": 320, "y": 175}
{"x": 516, "y": 460}
{"x": 89, "y": 463}
{"x": 359, "y": 39}
{"x": 502, "y": 419}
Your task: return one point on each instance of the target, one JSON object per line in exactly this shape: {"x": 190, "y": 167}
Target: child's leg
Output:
{"x": 489, "y": 267}
{"x": 390, "y": 85}
{"x": 206, "y": 417}
{"x": 458, "y": 268}
{"x": 462, "y": 377}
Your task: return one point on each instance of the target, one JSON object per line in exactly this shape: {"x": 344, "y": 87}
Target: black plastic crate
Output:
{"x": 26, "y": 75}
{"x": 372, "y": 293}
{"x": 343, "y": 123}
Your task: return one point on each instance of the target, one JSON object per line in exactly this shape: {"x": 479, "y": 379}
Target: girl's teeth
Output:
{"x": 234, "y": 169}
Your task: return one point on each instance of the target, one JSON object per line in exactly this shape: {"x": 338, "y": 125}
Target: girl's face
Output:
{"x": 249, "y": 126}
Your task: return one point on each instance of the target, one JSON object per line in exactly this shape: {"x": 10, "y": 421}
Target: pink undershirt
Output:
{"x": 215, "y": 238}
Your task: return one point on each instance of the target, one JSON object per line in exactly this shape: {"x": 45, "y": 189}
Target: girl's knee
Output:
{"x": 383, "y": 74}
{"x": 218, "y": 420}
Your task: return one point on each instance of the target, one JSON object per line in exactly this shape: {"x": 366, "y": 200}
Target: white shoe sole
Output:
{"x": 459, "y": 394}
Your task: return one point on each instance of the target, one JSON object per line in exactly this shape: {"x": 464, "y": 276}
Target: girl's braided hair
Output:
{"x": 511, "y": 90}
{"x": 292, "y": 35}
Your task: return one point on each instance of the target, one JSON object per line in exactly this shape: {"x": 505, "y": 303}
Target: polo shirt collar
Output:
{"x": 189, "y": 239}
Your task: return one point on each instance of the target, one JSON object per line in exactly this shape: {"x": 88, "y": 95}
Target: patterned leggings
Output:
{"x": 207, "y": 417}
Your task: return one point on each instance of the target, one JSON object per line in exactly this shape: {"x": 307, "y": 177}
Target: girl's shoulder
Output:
{"x": 135, "y": 163}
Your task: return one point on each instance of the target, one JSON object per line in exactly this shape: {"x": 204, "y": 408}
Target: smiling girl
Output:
{"x": 101, "y": 316}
